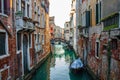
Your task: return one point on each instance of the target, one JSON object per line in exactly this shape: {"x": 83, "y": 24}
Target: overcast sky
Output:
{"x": 61, "y": 10}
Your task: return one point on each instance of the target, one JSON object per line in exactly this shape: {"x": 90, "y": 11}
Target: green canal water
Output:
{"x": 56, "y": 67}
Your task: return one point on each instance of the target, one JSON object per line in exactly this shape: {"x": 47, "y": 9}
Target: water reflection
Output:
{"x": 56, "y": 67}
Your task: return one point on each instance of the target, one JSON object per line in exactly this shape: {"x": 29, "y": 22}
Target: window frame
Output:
{"x": 20, "y": 41}
{"x": 97, "y": 54}
{"x": 6, "y": 45}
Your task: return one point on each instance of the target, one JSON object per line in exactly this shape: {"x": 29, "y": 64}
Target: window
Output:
{"x": 30, "y": 45}
{"x": 23, "y": 9}
{"x": 39, "y": 20}
{"x": 42, "y": 39}
{"x": 5, "y": 7}
{"x": 28, "y": 10}
{"x": 88, "y": 18}
{"x": 98, "y": 12}
{"x": 67, "y": 25}
{"x": 35, "y": 38}
{"x": 17, "y": 5}
{"x": 43, "y": 21}
{"x": 18, "y": 41}
{"x": 2, "y": 43}
{"x": 38, "y": 38}
{"x": 97, "y": 49}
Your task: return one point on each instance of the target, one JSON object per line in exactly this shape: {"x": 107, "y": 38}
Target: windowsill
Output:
{"x": 18, "y": 52}
{"x": 4, "y": 56}
{"x": 1, "y": 14}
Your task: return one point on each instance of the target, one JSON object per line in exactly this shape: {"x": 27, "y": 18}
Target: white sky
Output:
{"x": 61, "y": 10}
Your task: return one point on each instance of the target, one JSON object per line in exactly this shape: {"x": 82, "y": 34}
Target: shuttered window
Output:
{"x": 87, "y": 18}
{"x": 18, "y": 41}
{"x": 2, "y": 43}
{"x": 28, "y": 10}
{"x": 96, "y": 13}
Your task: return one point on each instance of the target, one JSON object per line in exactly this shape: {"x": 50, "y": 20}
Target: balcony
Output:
{"x": 24, "y": 25}
{"x": 83, "y": 31}
{"x": 111, "y": 22}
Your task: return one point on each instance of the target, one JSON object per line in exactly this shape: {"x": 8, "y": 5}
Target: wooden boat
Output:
{"x": 76, "y": 66}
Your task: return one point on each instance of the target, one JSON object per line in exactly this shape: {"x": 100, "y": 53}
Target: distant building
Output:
{"x": 62, "y": 33}
{"x": 57, "y": 32}
{"x": 73, "y": 25}
{"x": 52, "y": 26}
{"x": 67, "y": 31}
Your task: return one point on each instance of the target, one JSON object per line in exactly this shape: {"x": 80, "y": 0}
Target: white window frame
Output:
{"x": 6, "y": 45}
{"x": 18, "y": 51}
{"x": 5, "y": 68}
{"x": 2, "y": 9}
{"x": 97, "y": 41}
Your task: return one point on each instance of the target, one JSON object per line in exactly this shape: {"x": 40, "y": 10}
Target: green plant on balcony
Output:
{"x": 107, "y": 28}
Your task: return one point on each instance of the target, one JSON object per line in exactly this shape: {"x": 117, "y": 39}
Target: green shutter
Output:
{"x": 100, "y": 10}
{"x": 96, "y": 13}
{"x": 87, "y": 18}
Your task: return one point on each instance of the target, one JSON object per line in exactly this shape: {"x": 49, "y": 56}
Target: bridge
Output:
{"x": 60, "y": 40}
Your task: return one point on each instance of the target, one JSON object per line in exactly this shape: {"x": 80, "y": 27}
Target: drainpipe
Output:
{"x": 109, "y": 57}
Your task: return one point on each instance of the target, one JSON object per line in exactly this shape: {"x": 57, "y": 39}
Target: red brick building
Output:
{"x": 8, "y": 57}
{"x": 103, "y": 48}
{"x": 17, "y": 38}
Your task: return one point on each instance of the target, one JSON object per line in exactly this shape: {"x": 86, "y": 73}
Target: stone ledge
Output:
{"x": 29, "y": 75}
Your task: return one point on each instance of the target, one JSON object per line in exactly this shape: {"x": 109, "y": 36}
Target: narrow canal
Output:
{"x": 56, "y": 67}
